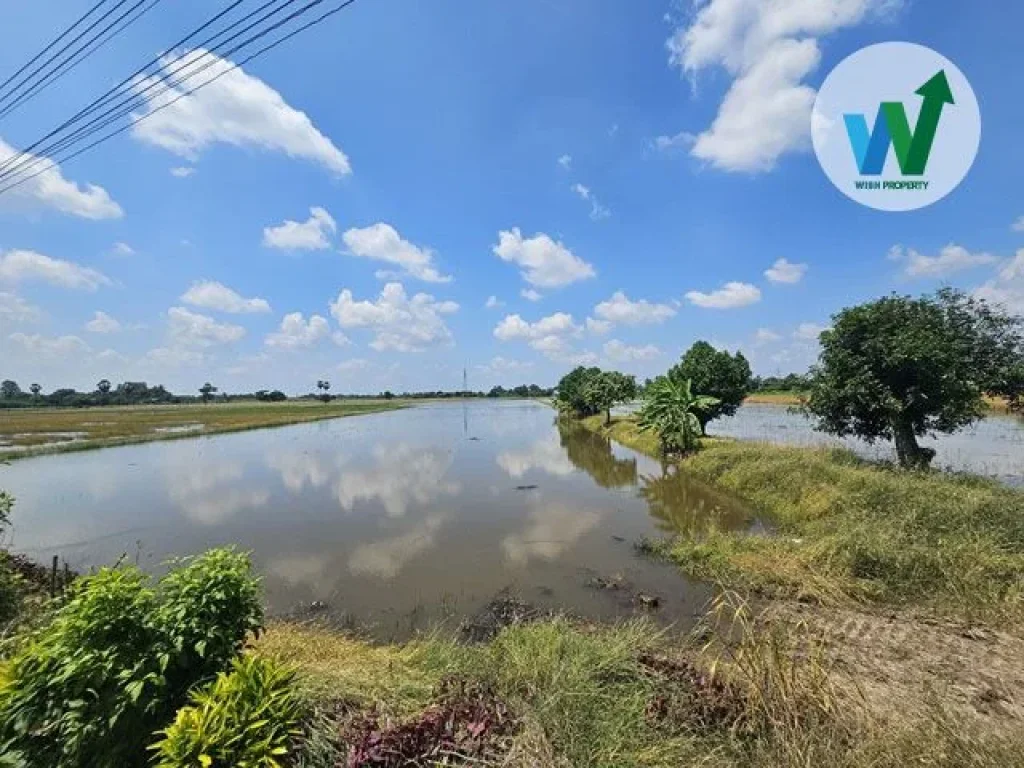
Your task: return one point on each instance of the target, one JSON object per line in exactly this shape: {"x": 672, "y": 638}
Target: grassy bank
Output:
{"x": 782, "y": 397}
{"x": 34, "y": 431}
{"x": 557, "y": 694}
{"x": 847, "y": 530}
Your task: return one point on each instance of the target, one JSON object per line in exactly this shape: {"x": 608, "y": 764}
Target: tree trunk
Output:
{"x": 909, "y": 454}
{"x": 608, "y": 417}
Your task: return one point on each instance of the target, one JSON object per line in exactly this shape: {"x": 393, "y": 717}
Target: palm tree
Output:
{"x": 35, "y": 389}
{"x": 669, "y": 409}
{"x": 325, "y": 386}
{"x": 207, "y": 391}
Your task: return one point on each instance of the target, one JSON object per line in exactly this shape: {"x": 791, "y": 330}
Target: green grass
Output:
{"x": 845, "y": 529}
{"x": 589, "y": 696}
{"x": 34, "y": 431}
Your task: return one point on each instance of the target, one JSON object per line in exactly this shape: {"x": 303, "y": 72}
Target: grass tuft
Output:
{"x": 847, "y": 529}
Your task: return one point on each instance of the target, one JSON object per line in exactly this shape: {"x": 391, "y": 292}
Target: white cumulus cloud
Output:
{"x": 103, "y": 323}
{"x": 514, "y": 327}
{"x": 236, "y": 109}
{"x": 545, "y": 263}
{"x": 809, "y": 331}
{"x": 296, "y": 332}
{"x": 49, "y": 347}
{"x": 381, "y": 242}
{"x": 493, "y": 302}
{"x": 25, "y": 266}
{"x": 14, "y": 310}
{"x": 209, "y": 294}
{"x": 769, "y": 48}
{"x": 550, "y": 335}
{"x": 620, "y": 309}
{"x": 729, "y": 296}
{"x": 182, "y": 171}
{"x": 192, "y": 329}
{"x": 311, "y": 235}
{"x": 49, "y": 189}
{"x": 1007, "y": 287}
{"x": 531, "y": 295}
{"x": 785, "y": 271}
{"x": 399, "y": 322}
{"x": 951, "y": 259}
{"x": 621, "y": 352}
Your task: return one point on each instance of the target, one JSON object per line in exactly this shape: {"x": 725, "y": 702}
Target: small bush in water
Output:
{"x": 247, "y": 717}
{"x": 120, "y": 657}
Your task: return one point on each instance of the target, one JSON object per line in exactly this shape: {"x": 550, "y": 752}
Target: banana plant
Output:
{"x": 669, "y": 410}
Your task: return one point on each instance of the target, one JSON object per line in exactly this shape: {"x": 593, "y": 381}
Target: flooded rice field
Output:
{"x": 392, "y": 521}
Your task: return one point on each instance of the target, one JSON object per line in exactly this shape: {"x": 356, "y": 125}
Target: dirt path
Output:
{"x": 905, "y": 664}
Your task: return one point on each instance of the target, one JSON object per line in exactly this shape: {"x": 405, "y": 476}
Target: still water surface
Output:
{"x": 393, "y": 520}
{"x": 993, "y": 446}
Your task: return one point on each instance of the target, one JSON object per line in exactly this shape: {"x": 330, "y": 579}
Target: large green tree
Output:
{"x": 902, "y": 367}
{"x": 717, "y": 374}
{"x": 589, "y": 391}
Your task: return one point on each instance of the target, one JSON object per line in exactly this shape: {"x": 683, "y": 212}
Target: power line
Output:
{"x": 265, "y": 49}
{"x": 99, "y": 101}
{"x": 59, "y": 53}
{"x": 24, "y": 160}
{"x": 52, "y": 43}
{"x": 113, "y": 114}
{"x": 81, "y": 55}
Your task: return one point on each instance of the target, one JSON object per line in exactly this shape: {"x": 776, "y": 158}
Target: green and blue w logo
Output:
{"x": 892, "y": 127}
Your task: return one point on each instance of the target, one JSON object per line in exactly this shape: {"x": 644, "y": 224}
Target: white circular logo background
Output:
{"x": 893, "y": 72}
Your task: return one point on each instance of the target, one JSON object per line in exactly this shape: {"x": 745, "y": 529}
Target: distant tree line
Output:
{"x": 794, "y": 382}
{"x": 140, "y": 393}
{"x": 125, "y": 393}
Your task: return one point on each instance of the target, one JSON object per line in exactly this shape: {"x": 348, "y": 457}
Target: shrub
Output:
{"x": 246, "y": 717}
{"x": 11, "y": 590}
{"x": 6, "y": 505}
{"x": 208, "y": 607}
{"x": 119, "y": 658}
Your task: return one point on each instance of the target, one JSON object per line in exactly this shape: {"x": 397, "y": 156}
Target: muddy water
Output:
{"x": 392, "y": 521}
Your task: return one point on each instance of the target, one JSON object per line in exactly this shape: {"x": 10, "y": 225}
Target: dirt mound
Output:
{"x": 904, "y": 663}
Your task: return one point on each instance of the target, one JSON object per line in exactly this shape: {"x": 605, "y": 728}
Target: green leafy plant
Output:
{"x": 670, "y": 410}
{"x": 120, "y": 657}
{"x": 6, "y": 505}
{"x": 208, "y": 607}
{"x": 11, "y": 590}
{"x": 717, "y": 374}
{"x": 246, "y": 718}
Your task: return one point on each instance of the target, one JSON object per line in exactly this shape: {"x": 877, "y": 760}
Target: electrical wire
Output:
{"x": 84, "y": 53}
{"x": 52, "y": 43}
{"x": 27, "y": 158}
{"x": 59, "y": 53}
{"x": 265, "y": 49}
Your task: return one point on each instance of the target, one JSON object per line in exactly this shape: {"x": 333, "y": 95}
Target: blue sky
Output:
{"x": 601, "y": 168}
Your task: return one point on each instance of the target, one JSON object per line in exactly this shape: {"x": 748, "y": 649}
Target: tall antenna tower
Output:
{"x": 465, "y": 386}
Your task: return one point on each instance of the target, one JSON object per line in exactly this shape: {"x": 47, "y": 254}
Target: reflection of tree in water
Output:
{"x": 682, "y": 505}
{"x": 593, "y": 454}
